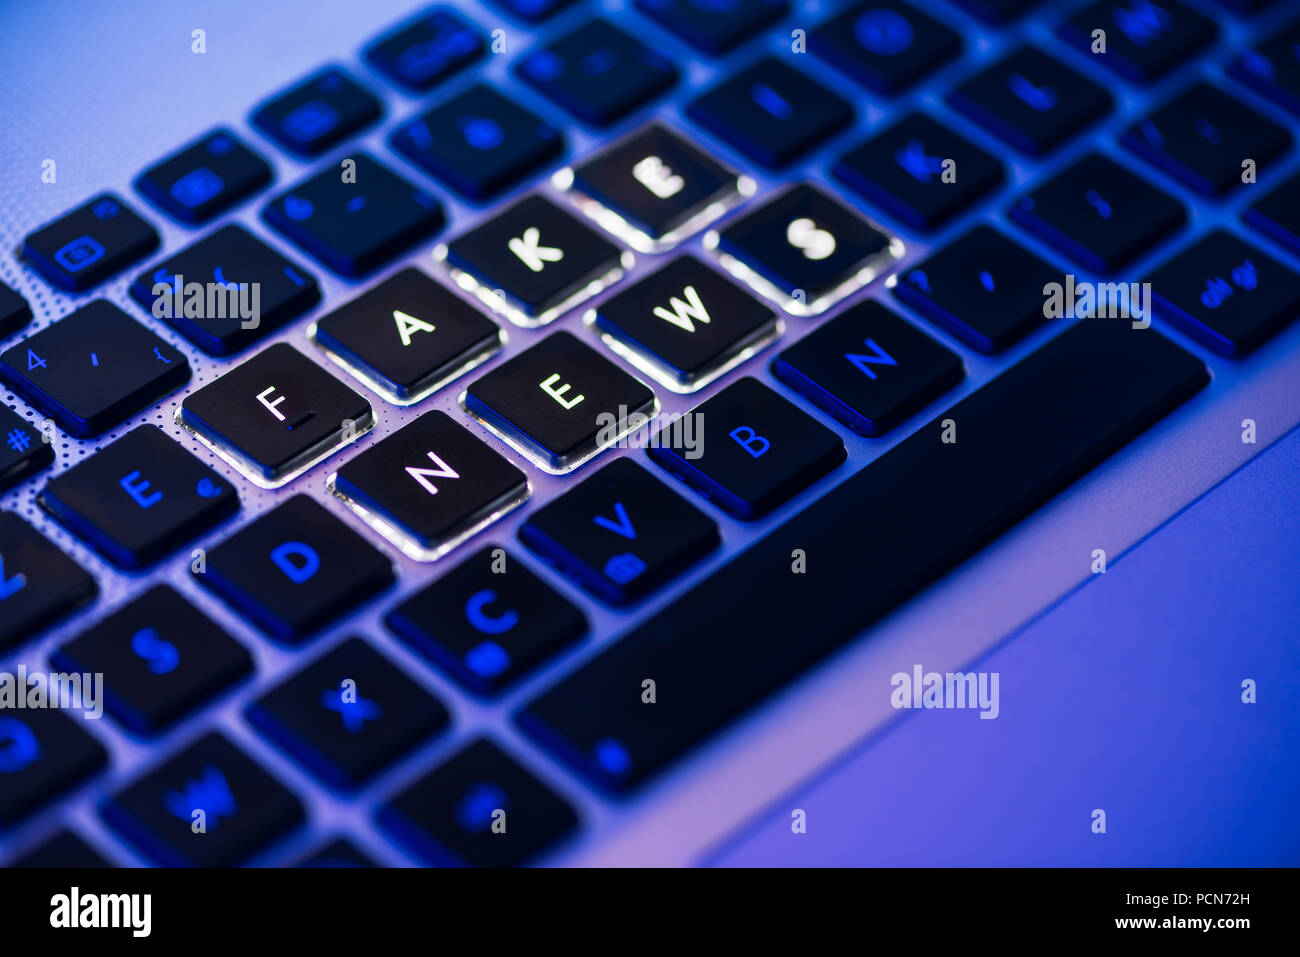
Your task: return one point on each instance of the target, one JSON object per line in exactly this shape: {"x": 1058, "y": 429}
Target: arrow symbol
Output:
{"x": 533, "y": 254}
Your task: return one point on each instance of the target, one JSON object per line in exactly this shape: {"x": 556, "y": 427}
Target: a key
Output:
{"x": 685, "y": 324}
{"x": 1272, "y": 67}
{"x": 1226, "y": 294}
{"x": 771, "y": 112}
{"x": 325, "y": 108}
{"x": 1098, "y": 213}
{"x": 429, "y": 486}
{"x": 42, "y": 754}
{"x": 478, "y": 142}
{"x": 534, "y": 261}
{"x": 407, "y": 337}
{"x": 1023, "y": 437}
{"x": 24, "y": 451}
{"x": 981, "y": 288}
{"x": 354, "y": 224}
{"x": 560, "y": 402}
{"x": 422, "y": 52}
{"x": 532, "y": 11}
{"x": 620, "y": 534}
{"x": 480, "y": 808}
{"x": 208, "y": 806}
{"x": 337, "y": 853}
{"x": 885, "y": 45}
{"x": 348, "y": 714}
{"x": 93, "y": 369}
{"x": 14, "y": 312}
{"x": 64, "y": 849}
{"x": 1031, "y": 100}
{"x": 204, "y": 178}
{"x": 910, "y": 171}
{"x": 86, "y": 246}
{"x": 39, "y": 584}
{"x": 161, "y": 658}
{"x": 712, "y": 26}
{"x": 488, "y": 621}
{"x": 1277, "y": 215}
{"x": 226, "y": 291}
{"x": 1203, "y": 136}
{"x": 139, "y": 499}
{"x": 276, "y": 415}
{"x": 868, "y": 368}
{"x": 1145, "y": 39}
{"x": 996, "y": 12}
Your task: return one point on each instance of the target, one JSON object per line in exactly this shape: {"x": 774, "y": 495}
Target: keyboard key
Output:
{"x": 752, "y": 450}
{"x": 205, "y": 178}
{"x": 348, "y": 715}
{"x": 241, "y": 808}
{"x": 534, "y": 11}
{"x": 1277, "y": 215}
{"x": 93, "y": 369}
{"x": 24, "y": 451}
{"x": 356, "y": 226}
{"x": 910, "y": 171}
{"x": 1202, "y": 136}
{"x": 714, "y": 26}
{"x": 1024, "y": 436}
{"x": 1031, "y": 100}
{"x": 996, "y": 12}
{"x": 337, "y": 853}
{"x": 685, "y": 325}
{"x": 1145, "y": 39}
{"x": 560, "y": 402}
{"x": 38, "y": 583}
{"x": 981, "y": 288}
{"x": 534, "y": 261}
{"x": 407, "y": 337}
{"x": 324, "y": 109}
{"x": 14, "y": 312}
{"x": 429, "y": 486}
{"x": 295, "y": 569}
{"x": 885, "y": 45}
{"x": 89, "y": 244}
{"x": 276, "y": 415}
{"x": 226, "y": 291}
{"x": 424, "y": 51}
{"x": 161, "y": 658}
{"x": 1098, "y": 213}
{"x": 63, "y": 850}
{"x": 1226, "y": 294}
{"x": 484, "y": 142}
{"x": 868, "y": 368}
{"x": 42, "y": 754}
{"x": 771, "y": 112}
{"x": 1272, "y": 67}
{"x": 480, "y": 808}
{"x": 488, "y": 621}
{"x": 804, "y": 250}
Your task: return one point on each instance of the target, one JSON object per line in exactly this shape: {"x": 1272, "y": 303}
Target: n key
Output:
{"x": 89, "y": 244}
{"x": 38, "y": 583}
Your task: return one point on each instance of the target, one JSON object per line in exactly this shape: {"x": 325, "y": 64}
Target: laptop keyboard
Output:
{"x": 981, "y": 141}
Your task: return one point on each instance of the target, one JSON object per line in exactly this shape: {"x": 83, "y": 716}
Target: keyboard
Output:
{"x": 437, "y": 451}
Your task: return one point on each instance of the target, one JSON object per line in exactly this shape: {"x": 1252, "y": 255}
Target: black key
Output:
{"x": 324, "y": 109}
{"x": 533, "y": 11}
{"x": 1031, "y": 100}
{"x": 488, "y": 621}
{"x": 981, "y": 288}
{"x": 38, "y": 583}
{"x": 205, "y": 178}
{"x": 23, "y": 449}
{"x": 355, "y": 226}
{"x": 685, "y": 325}
{"x": 339, "y": 852}
{"x": 478, "y": 142}
{"x": 276, "y": 415}
{"x": 208, "y": 806}
{"x": 295, "y": 569}
{"x": 430, "y": 485}
{"x": 1226, "y": 294}
{"x": 1202, "y": 136}
{"x": 868, "y": 368}
{"x": 714, "y": 26}
{"x": 407, "y": 337}
{"x": 1145, "y": 39}
{"x": 752, "y": 626}
{"x": 478, "y": 809}
{"x": 560, "y": 402}
{"x": 1098, "y": 213}
{"x": 911, "y": 171}
{"x": 885, "y": 45}
{"x": 62, "y": 850}
{"x": 93, "y": 369}
{"x": 89, "y": 244}
{"x": 161, "y": 658}
{"x": 1272, "y": 67}
{"x": 1277, "y": 215}
{"x": 422, "y": 52}
{"x": 542, "y": 260}
{"x": 771, "y": 112}
{"x": 348, "y": 715}
{"x": 42, "y": 754}
{"x": 226, "y": 291}
{"x": 621, "y": 533}
{"x": 14, "y": 312}
{"x": 139, "y": 499}
{"x": 996, "y": 12}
